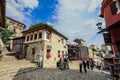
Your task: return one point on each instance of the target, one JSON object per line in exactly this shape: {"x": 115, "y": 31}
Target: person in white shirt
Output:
{"x": 39, "y": 61}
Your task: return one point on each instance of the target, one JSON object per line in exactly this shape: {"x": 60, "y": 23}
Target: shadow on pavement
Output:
{"x": 33, "y": 73}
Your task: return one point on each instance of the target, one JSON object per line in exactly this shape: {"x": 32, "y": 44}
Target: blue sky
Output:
{"x": 73, "y": 18}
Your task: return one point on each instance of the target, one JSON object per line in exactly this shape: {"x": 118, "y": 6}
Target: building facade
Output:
{"x": 18, "y": 44}
{"x": 73, "y": 51}
{"x": 110, "y": 11}
{"x": 93, "y": 46}
{"x": 80, "y": 42}
{"x": 46, "y": 42}
{"x": 16, "y": 27}
{"x": 77, "y": 51}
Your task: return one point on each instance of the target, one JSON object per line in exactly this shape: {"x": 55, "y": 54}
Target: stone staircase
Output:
{"x": 8, "y": 56}
{"x": 2, "y": 47}
{"x": 9, "y": 69}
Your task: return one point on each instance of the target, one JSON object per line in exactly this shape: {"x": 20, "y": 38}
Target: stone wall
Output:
{"x": 56, "y": 43}
{"x": 38, "y": 47}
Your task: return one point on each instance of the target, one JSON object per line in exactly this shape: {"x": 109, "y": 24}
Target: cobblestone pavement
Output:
{"x": 24, "y": 70}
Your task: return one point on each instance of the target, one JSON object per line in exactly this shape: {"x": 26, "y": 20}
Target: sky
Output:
{"x": 72, "y": 18}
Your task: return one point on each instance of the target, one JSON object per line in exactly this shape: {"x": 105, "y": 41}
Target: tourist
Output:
{"x": 80, "y": 65}
{"x": 66, "y": 63}
{"x": 84, "y": 66}
{"x": 39, "y": 61}
{"x": 88, "y": 64}
{"x": 91, "y": 64}
{"x": 59, "y": 62}
{"x": 98, "y": 65}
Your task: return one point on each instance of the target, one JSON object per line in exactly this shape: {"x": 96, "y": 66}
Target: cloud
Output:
{"x": 21, "y": 9}
{"x": 78, "y": 18}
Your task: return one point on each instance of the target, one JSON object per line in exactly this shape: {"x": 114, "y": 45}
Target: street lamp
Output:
{"x": 99, "y": 25}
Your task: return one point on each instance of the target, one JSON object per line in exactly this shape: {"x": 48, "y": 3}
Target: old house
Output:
{"x": 16, "y": 27}
{"x": 77, "y": 50}
{"x": 18, "y": 44}
{"x": 46, "y": 42}
{"x": 110, "y": 11}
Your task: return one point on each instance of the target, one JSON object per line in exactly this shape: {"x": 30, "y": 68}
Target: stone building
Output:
{"x": 110, "y": 11}
{"x": 77, "y": 50}
{"x": 73, "y": 50}
{"x": 84, "y": 52}
{"x": 46, "y": 42}
{"x": 90, "y": 53}
{"x": 93, "y": 46}
{"x": 16, "y": 27}
{"x": 80, "y": 42}
{"x": 18, "y": 44}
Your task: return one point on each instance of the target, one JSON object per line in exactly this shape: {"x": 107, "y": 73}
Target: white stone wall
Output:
{"x": 38, "y": 47}
{"x": 56, "y": 44}
{"x": 13, "y": 25}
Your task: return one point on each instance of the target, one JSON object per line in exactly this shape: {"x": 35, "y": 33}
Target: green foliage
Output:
{"x": 40, "y": 24}
{"x": 93, "y": 49}
{"x": 5, "y": 34}
{"x": 6, "y": 24}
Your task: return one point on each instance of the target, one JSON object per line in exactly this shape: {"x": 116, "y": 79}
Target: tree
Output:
{"x": 40, "y": 24}
{"x": 5, "y": 34}
{"x": 94, "y": 50}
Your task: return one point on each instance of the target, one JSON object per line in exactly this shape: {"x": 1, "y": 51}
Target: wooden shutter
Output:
{"x": 113, "y": 8}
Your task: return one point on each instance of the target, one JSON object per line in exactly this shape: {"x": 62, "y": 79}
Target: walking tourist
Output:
{"x": 84, "y": 66}
{"x": 91, "y": 64}
{"x": 80, "y": 65}
{"x": 39, "y": 61}
{"x": 88, "y": 64}
{"x": 66, "y": 63}
{"x": 59, "y": 62}
{"x": 98, "y": 65}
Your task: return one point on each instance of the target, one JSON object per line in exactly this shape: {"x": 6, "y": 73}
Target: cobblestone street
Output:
{"x": 24, "y": 70}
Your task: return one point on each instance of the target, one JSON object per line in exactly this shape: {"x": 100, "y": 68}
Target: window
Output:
{"x": 47, "y": 35}
{"x": 35, "y": 36}
{"x": 31, "y": 38}
{"x": 27, "y": 38}
{"x": 62, "y": 53}
{"x": 48, "y": 55}
{"x": 40, "y": 35}
{"x": 118, "y": 5}
{"x": 62, "y": 41}
{"x": 113, "y": 8}
{"x": 59, "y": 53}
{"x": 33, "y": 51}
{"x": 118, "y": 45}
